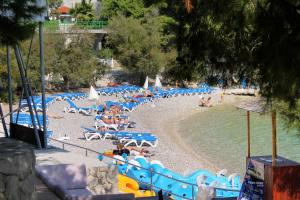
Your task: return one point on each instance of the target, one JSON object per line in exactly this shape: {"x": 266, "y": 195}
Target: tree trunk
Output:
{"x": 66, "y": 83}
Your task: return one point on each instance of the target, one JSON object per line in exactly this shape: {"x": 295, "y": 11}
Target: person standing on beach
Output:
{"x": 222, "y": 94}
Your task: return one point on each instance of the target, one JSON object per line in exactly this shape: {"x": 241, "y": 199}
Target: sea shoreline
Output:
{"x": 162, "y": 118}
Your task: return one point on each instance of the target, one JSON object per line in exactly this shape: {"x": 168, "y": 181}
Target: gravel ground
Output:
{"x": 162, "y": 118}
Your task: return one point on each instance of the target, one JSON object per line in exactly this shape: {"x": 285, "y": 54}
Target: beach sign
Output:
{"x": 253, "y": 184}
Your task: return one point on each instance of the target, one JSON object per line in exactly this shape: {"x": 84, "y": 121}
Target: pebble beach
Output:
{"x": 162, "y": 118}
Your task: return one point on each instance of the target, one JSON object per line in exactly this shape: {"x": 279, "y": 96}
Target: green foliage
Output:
{"x": 291, "y": 116}
{"x": 138, "y": 45}
{"x": 128, "y": 8}
{"x": 83, "y": 11}
{"x": 53, "y": 6}
{"x": 278, "y": 55}
{"x": 16, "y": 20}
{"x": 105, "y": 53}
{"x": 4, "y": 73}
{"x": 69, "y": 67}
{"x": 254, "y": 39}
{"x": 74, "y": 60}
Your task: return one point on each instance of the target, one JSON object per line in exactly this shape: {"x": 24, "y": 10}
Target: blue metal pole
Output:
{"x": 42, "y": 70}
{"x": 9, "y": 82}
{"x": 25, "y": 86}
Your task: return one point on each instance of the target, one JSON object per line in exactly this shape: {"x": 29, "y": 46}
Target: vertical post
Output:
{"x": 9, "y": 83}
{"x": 274, "y": 148}
{"x": 25, "y": 86}
{"x": 248, "y": 134}
{"x": 28, "y": 86}
{"x": 192, "y": 192}
{"x": 42, "y": 70}
{"x": 3, "y": 121}
{"x": 151, "y": 186}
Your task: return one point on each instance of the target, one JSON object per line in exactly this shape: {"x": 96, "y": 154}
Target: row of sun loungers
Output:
{"x": 72, "y": 96}
{"x": 130, "y": 106}
{"x": 73, "y": 108}
{"x": 25, "y": 119}
{"x": 173, "y": 92}
{"x": 127, "y": 138}
{"x": 118, "y": 90}
{"x": 202, "y": 88}
{"x": 37, "y": 103}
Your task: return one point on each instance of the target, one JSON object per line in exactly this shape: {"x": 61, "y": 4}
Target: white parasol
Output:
{"x": 157, "y": 82}
{"x": 146, "y": 83}
{"x": 93, "y": 95}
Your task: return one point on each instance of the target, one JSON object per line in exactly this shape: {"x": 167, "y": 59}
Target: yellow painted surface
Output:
{"x": 129, "y": 185}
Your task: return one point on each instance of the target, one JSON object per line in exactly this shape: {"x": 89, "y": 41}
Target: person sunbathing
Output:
{"x": 134, "y": 151}
{"x": 129, "y": 99}
{"x": 131, "y": 151}
{"x": 138, "y": 96}
{"x": 147, "y": 93}
{"x": 114, "y": 119}
{"x": 102, "y": 129}
{"x": 202, "y": 102}
{"x": 100, "y": 107}
{"x": 121, "y": 150}
{"x": 208, "y": 102}
{"x": 54, "y": 116}
{"x": 115, "y": 109}
{"x": 108, "y": 119}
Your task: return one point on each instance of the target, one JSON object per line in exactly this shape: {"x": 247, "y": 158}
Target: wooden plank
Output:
{"x": 248, "y": 134}
{"x": 274, "y": 143}
{"x": 286, "y": 184}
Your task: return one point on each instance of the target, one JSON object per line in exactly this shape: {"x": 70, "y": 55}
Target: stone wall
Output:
{"x": 103, "y": 180}
{"x": 17, "y": 162}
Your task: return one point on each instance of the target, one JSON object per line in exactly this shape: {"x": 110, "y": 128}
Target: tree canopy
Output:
{"x": 128, "y": 8}
{"x": 16, "y": 19}
{"x": 83, "y": 10}
{"x": 137, "y": 45}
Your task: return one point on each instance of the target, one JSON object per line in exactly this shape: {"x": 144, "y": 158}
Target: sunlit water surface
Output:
{"x": 219, "y": 135}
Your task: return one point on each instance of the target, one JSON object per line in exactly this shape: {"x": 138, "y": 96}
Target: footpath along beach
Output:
{"x": 161, "y": 118}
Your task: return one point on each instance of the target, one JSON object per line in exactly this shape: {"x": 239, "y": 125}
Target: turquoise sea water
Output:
{"x": 219, "y": 135}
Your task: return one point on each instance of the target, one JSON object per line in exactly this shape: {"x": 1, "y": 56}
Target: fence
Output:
{"x": 55, "y": 25}
{"x": 115, "y": 160}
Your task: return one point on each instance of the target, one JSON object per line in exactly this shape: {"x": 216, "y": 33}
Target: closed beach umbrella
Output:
{"x": 157, "y": 82}
{"x": 146, "y": 83}
{"x": 93, "y": 95}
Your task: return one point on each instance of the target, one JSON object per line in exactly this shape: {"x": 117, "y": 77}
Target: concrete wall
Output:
{"x": 17, "y": 162}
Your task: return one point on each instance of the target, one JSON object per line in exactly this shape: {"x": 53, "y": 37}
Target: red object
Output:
{"x": 281, "y": 181}
{"x": 63, "y": 10}
{"x": 112, "y": 84}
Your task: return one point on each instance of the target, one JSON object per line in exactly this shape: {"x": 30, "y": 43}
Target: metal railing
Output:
{"x": 56, "y": 25}
{"x": 87, "y": 151}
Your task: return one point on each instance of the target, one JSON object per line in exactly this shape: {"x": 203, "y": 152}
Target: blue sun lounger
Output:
{"x": 25, "y": 119}
{"x": 127, "y": 138}
{"x": 73, "y": 108}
